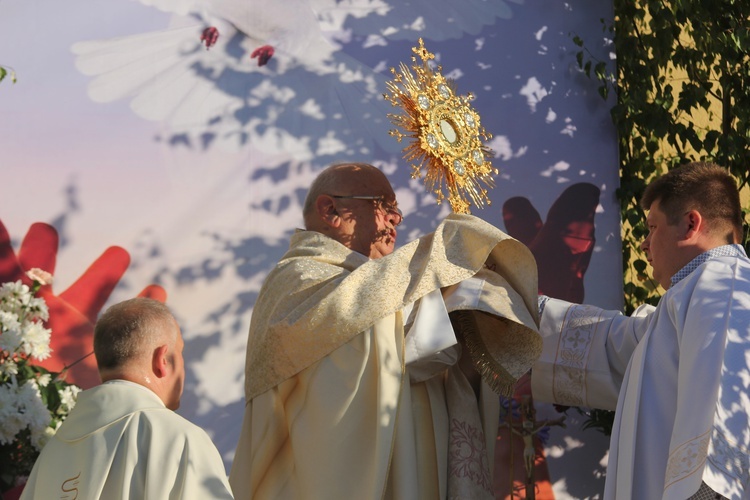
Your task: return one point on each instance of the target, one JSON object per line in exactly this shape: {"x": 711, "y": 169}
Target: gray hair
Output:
{"x": 128, "y": 329}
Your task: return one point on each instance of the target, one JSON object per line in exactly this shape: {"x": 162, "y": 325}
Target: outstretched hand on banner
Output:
{"x": 564, "y": 243}
{"x": 73, "y": 312}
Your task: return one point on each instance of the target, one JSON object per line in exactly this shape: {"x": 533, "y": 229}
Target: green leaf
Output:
{"x": 640, "y": 265}
{"x": 5, "y": 72}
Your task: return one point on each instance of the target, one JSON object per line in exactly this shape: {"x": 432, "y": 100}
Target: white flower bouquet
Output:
{"x": 33, "y": 401}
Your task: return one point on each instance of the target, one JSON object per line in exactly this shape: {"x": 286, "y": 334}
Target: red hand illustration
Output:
{"x": 73, "y": 312}
{"x": 562, "y": 245}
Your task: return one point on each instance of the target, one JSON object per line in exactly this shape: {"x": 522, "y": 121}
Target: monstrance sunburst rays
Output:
{"x": 444, "y": 131}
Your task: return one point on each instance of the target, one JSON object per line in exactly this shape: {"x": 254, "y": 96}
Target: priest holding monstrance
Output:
{"x": 373, "y": 372}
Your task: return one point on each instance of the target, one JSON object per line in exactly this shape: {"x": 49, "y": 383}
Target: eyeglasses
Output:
{"x": 380, "y": 203}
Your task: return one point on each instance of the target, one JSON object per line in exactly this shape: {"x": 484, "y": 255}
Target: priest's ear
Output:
{"x": 160, "y": 361}
{"x": 325, "y": 206}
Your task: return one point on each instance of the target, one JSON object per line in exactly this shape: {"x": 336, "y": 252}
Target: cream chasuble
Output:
{"x": 678, "y": 376}
{"x": 333, "y": 411}
{"x": 121, "y": 442}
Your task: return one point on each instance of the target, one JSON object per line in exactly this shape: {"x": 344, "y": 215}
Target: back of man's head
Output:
{"x": 127, "y": 332}
{"x": 705, "y": 187}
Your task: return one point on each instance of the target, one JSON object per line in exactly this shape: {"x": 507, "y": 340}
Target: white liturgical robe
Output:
{"x": 678, "y": 376}
{"x": 121, "y": 442}
{"x": 353, "y": 388}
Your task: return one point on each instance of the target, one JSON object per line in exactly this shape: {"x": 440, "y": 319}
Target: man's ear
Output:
{"x": 693, "y": 221}
{"x": 159, "y": 361}
{"x": 325, "y": 206}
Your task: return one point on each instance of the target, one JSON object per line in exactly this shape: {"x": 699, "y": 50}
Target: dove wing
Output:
{"x": 169, "y": 75}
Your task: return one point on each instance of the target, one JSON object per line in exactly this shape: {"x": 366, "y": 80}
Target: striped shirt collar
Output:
{"x": 734, "y": 250}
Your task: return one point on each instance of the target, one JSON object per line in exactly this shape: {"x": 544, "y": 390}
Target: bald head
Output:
{"x": 338, "y": 179}
{"x": 359, "y": 224}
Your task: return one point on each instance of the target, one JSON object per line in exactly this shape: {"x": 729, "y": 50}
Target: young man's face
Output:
{"x": 662, "y": 245}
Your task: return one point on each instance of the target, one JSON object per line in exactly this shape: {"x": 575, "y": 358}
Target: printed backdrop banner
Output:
{"x": 124, "y": 131}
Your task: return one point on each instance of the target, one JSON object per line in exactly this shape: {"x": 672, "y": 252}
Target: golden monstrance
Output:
{"x": 444, "y": 131}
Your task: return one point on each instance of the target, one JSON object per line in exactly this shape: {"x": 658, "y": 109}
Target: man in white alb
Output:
{"x": 678, "y": 375}
{"x": 123, "y": 439}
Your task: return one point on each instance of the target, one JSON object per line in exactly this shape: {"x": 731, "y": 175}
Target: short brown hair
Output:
{"x": 127, "y": 329}
{"x": 702, "y": 186}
